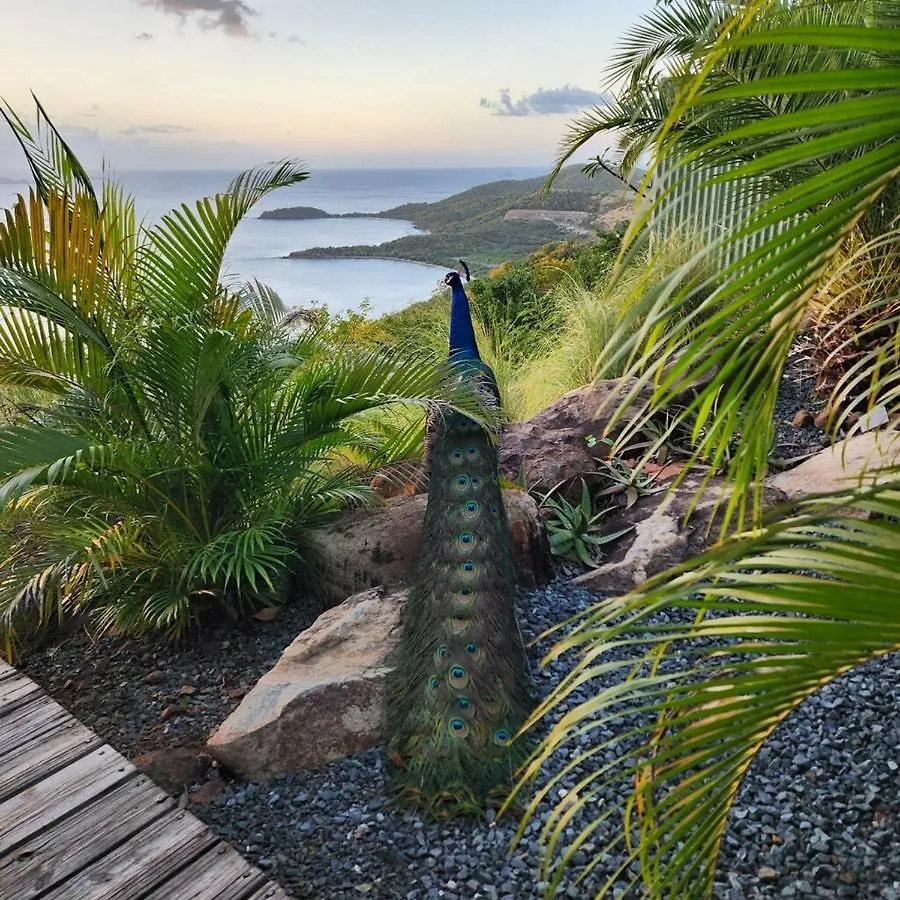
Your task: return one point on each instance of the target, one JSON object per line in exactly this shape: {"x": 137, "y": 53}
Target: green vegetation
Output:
{"x": 296, "y": 212}
{"x": 178, "y": 442}
{"x": 543, "y": 323}
{"x": 576, "y": 529}
{"x": 472, "y": 224}
{"x": 805, "y": 96}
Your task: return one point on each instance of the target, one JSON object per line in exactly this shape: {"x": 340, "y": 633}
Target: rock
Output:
{"x": 821, "y": 417}
{"x": 803, "y": 418}
{"x": 172, "y": 769}
{"x": 370, "y": 547}
{"x": 661, "y": 537}
{"x": 208, "y": 791}
{"x": 323, "y": 700}
{"x": 156, "y": 677}
{"x": 552, "y": 447}
{"x": 841, "y": 465}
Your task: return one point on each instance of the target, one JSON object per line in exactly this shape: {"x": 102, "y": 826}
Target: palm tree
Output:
{"x": 185, "y": 440}
{"x": 778, "y": 607}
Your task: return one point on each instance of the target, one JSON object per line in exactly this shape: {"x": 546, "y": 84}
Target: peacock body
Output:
{"x": 459, "y": 688}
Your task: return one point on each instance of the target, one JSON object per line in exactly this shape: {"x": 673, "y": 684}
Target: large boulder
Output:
{"x": 846, "y": 464}
{"x": 551, "y": 449}
{"x": 378, "y": 546}
{"x": 323, "y": 700}
{"x": 662, "y": 533}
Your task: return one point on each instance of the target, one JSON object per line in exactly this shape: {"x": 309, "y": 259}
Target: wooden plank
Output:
{"x": 141, "y": 863}
{"x": 16, "y": 691}
{"x": 220, "y": 874}
{"x": 64, "y": 848}
{"x": 62, "y": 793}
{"x": 40, "y": 717}
{"x": 271, "y": 891}
{"x": 45, "y": 754}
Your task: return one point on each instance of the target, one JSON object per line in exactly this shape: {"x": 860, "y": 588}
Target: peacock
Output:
{"x": 459, "y": 690}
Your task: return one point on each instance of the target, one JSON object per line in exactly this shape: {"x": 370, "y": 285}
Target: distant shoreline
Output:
{"x": 298, "y": 254}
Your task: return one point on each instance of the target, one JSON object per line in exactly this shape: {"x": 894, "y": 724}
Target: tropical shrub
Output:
{"x": 187, "y": 439}
{"x": 805, "y": 95}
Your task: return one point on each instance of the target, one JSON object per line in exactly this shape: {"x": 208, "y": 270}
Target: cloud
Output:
{"x": 160, "y": 128}
{"x": 544, "y": 101}
{"x": 232, "y": 16}
{"x": 144, "y": 36}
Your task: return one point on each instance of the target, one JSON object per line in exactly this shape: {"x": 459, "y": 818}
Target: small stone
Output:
{"x": 766, "y": 873}
{"x": 186, "y": 690}
{"x": 803, "y": 418}
{"x": 821, "y": 418}
{"x": 154, "y": 677}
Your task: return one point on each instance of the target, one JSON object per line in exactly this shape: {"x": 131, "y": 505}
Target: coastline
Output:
{"x": 329, "y": 258}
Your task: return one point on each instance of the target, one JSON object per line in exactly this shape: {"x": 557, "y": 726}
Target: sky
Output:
{"x": 338, "y": 83}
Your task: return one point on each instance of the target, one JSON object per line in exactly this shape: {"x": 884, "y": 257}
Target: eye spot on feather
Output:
{"x": 463, "y": 702}
{"x": 458, "y": 728}
{"x": 456, "y": 457}
{"x": 460, "y": 483}
{"x": 470, "y": 510}
{"x": 458, "y": 678}
{"x": 466, "y": 541}
{"x": 443, "y": 651}
{"x": 468, "y": 571}
{"x": 471, "y": 647}
{"x": 475, "y": 483}
{"x": 472, "y": 453}
{"x": 458, "y": 624}
{"x": 501, "y": 737}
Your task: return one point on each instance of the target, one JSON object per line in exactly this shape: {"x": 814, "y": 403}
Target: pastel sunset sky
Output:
{"x": 338, "y": 83}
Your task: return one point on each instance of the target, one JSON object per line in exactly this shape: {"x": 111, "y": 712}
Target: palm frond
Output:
{"x": 55, "y": 168}
{"x": 182, "y": 258}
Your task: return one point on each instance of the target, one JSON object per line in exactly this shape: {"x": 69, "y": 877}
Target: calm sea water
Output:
{"x": 259, "y": 246}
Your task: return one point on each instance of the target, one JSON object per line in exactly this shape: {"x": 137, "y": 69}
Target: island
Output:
{"x": 490, "y": 223}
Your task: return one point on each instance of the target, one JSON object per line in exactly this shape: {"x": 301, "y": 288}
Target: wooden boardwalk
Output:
{"x": 79, "y": 822}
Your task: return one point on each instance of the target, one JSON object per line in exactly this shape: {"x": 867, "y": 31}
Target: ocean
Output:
{"x": 259, "y": 246}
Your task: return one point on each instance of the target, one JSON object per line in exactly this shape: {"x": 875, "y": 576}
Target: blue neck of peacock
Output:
{"x": 462, "y": 334}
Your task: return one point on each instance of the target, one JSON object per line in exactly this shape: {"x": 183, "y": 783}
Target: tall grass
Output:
{"x": 582, "y": 351}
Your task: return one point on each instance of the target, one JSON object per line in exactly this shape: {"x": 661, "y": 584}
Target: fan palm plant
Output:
{"x": 186, "y": 439}
{"x": 778, "y": 606}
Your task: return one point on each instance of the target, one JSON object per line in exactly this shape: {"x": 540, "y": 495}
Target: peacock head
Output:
{"x": 454, "y": 278}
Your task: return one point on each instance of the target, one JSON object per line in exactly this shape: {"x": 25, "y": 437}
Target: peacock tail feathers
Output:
{"x": 459, "y": 690}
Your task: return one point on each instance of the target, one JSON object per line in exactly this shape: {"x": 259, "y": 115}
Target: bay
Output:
{"x": 259, "y": 246}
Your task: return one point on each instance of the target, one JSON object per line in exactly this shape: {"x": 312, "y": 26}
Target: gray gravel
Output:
{"x": 817, "y": 816}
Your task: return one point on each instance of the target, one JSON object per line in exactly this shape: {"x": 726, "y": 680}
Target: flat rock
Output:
{"x": 378, "y": 546}
{"x": 323, "y": 700}
{"x": 662, "y": 535}
{"x": 845, "y": 464}
{"x": 173, "y": 769}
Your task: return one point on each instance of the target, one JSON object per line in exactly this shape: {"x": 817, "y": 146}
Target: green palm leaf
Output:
{"x": 182, "y": 260}
{"x": 803, "y": 100}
